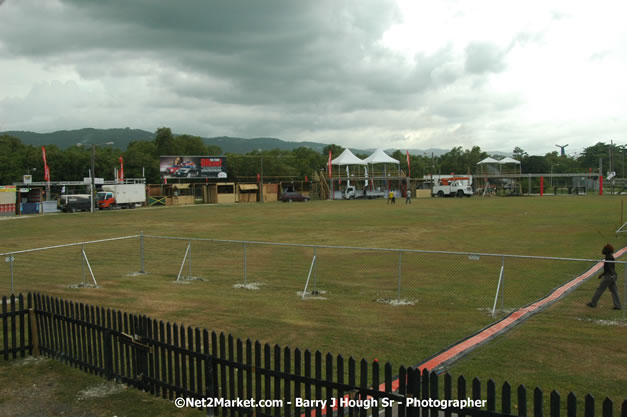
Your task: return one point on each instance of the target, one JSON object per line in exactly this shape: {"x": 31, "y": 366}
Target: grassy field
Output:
{"x": 451, "y": 293}
{"x": 44, "y": 387}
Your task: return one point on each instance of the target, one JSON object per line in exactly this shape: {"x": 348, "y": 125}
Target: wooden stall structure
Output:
{"x": 155, "y": 195}
{"x": 270, "y": 192}
{"x": 247, "y": 193}
{"x": 221, "y": 192}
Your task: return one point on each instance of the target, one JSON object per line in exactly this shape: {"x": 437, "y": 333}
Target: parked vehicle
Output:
{"x": 351, "y": 193}
{"x": 74, "y": 202}
{"x": 121, "y": 196}
{"x": 187, "y": 172}
{"x": 290, "y": 196}
{"x": 452, "y": 187}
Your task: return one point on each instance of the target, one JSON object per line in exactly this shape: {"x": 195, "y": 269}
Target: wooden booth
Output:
{"x": 221, "y": 192}
{"x": 247, "y": 193}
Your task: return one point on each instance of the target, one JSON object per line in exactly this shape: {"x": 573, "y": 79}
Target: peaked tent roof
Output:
{"x": 488, "y": 160}
{"x": 509, "y": 160}
{"x": 347, "y": 158}
{"x": 380, "y": 157}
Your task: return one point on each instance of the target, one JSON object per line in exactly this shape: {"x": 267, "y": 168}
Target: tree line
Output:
{"x": 142, "y": 157}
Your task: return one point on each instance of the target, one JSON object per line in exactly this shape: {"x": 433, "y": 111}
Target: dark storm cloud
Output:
{"x": 292, "y": 69}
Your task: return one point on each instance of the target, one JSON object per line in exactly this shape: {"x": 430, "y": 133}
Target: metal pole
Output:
{"x": 83, "y": 262}
{"x": 183, "y": 264}
{"x": 11, "y": 268}
{"x": 244, "y": 263}
{"x": 189, "y": 244}
{"x": 498, "y": 287}
{"x": 503, "y": 284}
{"x": 141, "y": 252}
{"x": 89, "y": 267}
{"x": 93, "y": 174}
{"x": 315, "y": 272}
{"x": 400, "y": 261}
{"x": 313, "y": 262}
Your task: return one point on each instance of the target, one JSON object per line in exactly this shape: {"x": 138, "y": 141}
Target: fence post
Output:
{"x": 502, "y": 284}
{"x": 244, "y": 263}
{"x": 83, "y": 263}
{"x": 189, "y": 243}
{"x": 498, "y": 287}
{"x": 316, "y": 273}
{"x": 10, "y": 260}
{"x": 400, "y": 262}
{"x": 107, "y": 345}
{"x": 141, "y": 252}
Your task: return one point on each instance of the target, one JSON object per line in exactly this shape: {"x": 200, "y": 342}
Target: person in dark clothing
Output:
{"x": 608, "y": 279}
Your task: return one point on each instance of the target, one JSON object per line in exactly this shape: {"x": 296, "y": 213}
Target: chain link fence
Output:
{"x": 428, "y": 280}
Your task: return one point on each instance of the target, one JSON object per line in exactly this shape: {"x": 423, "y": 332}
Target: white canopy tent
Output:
{"x": 488, "y": 160}
{"x": 509, "y": 160}
{"x": 380, "y": 157}
{"x": 489, "y": 166}
{"x": 347, "y": 158}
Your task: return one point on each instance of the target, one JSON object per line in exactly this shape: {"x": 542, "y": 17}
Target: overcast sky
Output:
{"x": 358, "y": 73}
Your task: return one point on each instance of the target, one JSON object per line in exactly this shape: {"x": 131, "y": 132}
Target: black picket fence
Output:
{"x": 172, "y": 361}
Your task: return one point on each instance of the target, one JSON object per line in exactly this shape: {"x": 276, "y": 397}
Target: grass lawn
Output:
{"x": 451, "y": 293}
{"x": 44, "y": 387}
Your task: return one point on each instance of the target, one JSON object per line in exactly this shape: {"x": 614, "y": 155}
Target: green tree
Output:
{"x": 336, "y": 150}
{"x": 11, "y": 159}
{"x": 139, "y": 156}
{"x": 165, "y": 142}
{"x": 519, "y": 154}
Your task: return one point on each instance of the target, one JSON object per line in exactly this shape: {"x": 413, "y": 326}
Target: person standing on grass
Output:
{"x": 408, "y": 197}
{"x": 391, "y": 199}
{"x": 609, "y": 279}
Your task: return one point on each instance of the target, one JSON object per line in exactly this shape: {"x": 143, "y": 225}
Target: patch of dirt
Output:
{"x": 605, "y": 322}
{"x": 101, "y": 390}
{"x": 83, "y": 285}
{"x": 312, "y": 295}
{"x": 396, "y": 302}
{"x": 250, "y": 286}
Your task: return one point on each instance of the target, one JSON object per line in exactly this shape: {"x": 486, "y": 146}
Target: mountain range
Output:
{"x": 123, "y": 136}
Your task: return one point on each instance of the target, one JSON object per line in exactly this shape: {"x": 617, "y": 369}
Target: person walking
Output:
{"x": 608, "y": 279}
{"x": 391, "y": 198}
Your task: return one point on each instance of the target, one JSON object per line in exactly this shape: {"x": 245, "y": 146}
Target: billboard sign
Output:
{"x": 193, "y": 167}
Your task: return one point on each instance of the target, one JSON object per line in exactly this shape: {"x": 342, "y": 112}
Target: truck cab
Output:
{"x": 105, "y": 199}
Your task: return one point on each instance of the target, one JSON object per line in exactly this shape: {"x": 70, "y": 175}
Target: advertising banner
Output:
{"x": 193, "y": 167}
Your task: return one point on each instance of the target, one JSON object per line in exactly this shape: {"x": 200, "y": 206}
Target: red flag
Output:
{"x": 329, "y": 164}
{"x": 46, "y": 169}
{"x": 121, "y": 173}
{"x": 408, "y": 165}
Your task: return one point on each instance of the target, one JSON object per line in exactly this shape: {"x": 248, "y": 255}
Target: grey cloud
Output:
{"x": 484, "y": 57}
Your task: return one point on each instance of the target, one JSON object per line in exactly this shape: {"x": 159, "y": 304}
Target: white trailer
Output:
{"x": 122, "y": 196}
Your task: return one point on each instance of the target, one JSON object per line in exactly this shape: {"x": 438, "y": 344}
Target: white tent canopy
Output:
{"x": 509, "y": 160}
{"x": 488, "y": 160}
{"x": 380, "y": 157}
{"x": 347, "y": 158}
